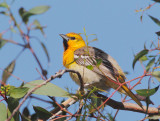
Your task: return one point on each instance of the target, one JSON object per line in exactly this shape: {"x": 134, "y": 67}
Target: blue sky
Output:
{"x": 117, "y": 26}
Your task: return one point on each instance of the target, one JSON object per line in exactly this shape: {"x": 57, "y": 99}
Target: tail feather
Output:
{"x": 129, "y": 93}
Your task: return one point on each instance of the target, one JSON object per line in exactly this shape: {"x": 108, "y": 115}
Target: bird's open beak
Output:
{"x": 65, "y": 41}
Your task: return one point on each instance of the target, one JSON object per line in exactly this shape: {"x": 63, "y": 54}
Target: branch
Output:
{"x": 128, "y": 106}
{"x": 80, "y": 79}
{"x": 65, "y": 105}
{"x": 112, "y": 103}
{"x": 57, "y": 75}
{"x": 70, "y": 101}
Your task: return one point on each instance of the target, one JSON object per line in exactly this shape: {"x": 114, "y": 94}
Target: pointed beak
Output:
{"x": 65, "y": 41}
{"x": 64, "y": 37}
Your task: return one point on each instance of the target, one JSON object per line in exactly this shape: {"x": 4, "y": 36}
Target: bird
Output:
{"x": 96, "y": 67}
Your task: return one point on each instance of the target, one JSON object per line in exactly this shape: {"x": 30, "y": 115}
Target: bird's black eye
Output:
{"x": 72, "y": 38}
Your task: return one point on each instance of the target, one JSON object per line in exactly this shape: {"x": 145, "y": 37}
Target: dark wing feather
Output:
{"x": 87, "y": 56}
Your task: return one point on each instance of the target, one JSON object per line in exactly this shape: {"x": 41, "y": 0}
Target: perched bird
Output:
{"x": 96, "y": 67}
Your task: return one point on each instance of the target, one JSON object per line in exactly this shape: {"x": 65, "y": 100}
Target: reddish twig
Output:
{"x": 120, "y": 84}
{"x": 12, "y": 76}
{"x": 62, "y": 108}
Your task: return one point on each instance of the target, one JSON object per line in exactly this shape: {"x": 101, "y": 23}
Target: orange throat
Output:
{"x": 68, "y": 56}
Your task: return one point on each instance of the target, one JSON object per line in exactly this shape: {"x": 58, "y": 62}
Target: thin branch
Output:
{"x": 13, "y": 42}
{"x": 65, "y": 105}
{"x": 57, "y": 75}
{"x": 40, "y": 99}
{"x": 11, "y": 75}
{"x": 118, "y": 109}
{"x": 80, "y": 78}
{"x": 61, "y": 107}
{"x": 78, "y": 112}
{"x": 70, "y": 101}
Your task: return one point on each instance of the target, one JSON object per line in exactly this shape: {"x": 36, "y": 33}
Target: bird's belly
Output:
{"x": 89, "y": 77}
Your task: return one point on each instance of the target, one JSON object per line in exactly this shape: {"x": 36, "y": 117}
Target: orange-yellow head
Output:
{"x": 72, "y": 41}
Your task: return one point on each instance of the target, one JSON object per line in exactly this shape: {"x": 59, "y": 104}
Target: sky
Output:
{"x": 117, "y": 26}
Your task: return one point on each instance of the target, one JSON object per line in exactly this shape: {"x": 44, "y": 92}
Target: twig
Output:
{"x": 57, "y": 75}
{"x": 61, "y": 107}
{"x": 118, "y": 109}
{"x": 70, "y": 101}
{"x": 13, "y": 42}
{"x": 11, "y": 75}
{"x": 50, "y": 102}
{"x": 78, "y": 112}
{"x": 80, "y": 79}
{"x": 65, "y": 105}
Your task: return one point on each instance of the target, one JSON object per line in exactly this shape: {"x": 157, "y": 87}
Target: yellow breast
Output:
{"x": 68, "y": 58}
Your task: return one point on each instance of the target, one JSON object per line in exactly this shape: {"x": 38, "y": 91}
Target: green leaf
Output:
{"x": 138, "y": 56}
{"x": 42, "y": 113}
{"x": 39, "y": 9}
{"x": 46, "y": 52}
{"x": 156, "y": 74}
{"x": 38, "y": 26}
{"x": 150, "y": 64}
{"x": 25, "y": 115}
{"x": 34, "y": 117}
{"x": 84, "y": 30}
{"x": 4, "y": 5}
{"x": 26, "y": 112}
{"x": 8, "y": 71}
{"x": 154, "y": 117}
{"x": 145, "y": 46}
{"x": 111, "y": 118}
{"x": 157, "y": 1}
{"x": 9, "y": 114}
{"x": 2, "y": 42}
{"x": 93, "y": 40}
{"x": 141, "y": 18}
{"x": 96, "y": 102}
{"x": 151, "y": 56}
{"x": 90, "y": 67}
{"x": 147, "y": 92}
{"x": 36, "y": 22}
{"x": 143, "y": 58}
{"x": 155, "y": 20}
{"x": 3, "y": 13}
{"x": 12, "y": 104}
{"x": 158, "y": 33}
{"x": 12, "y": 29}
{"x": 49, "y": 89}
{"x": 18, "y": 92}
{"x": 22, "y": 11}
{"x": 34, "y": 11}
{"x": 3, "y": 110}
{"x": 99, "y": 61}
{"x": 24, "y": 15}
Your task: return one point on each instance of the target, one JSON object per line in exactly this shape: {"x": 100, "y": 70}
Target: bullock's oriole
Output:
{"x": 96, "y": 67}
